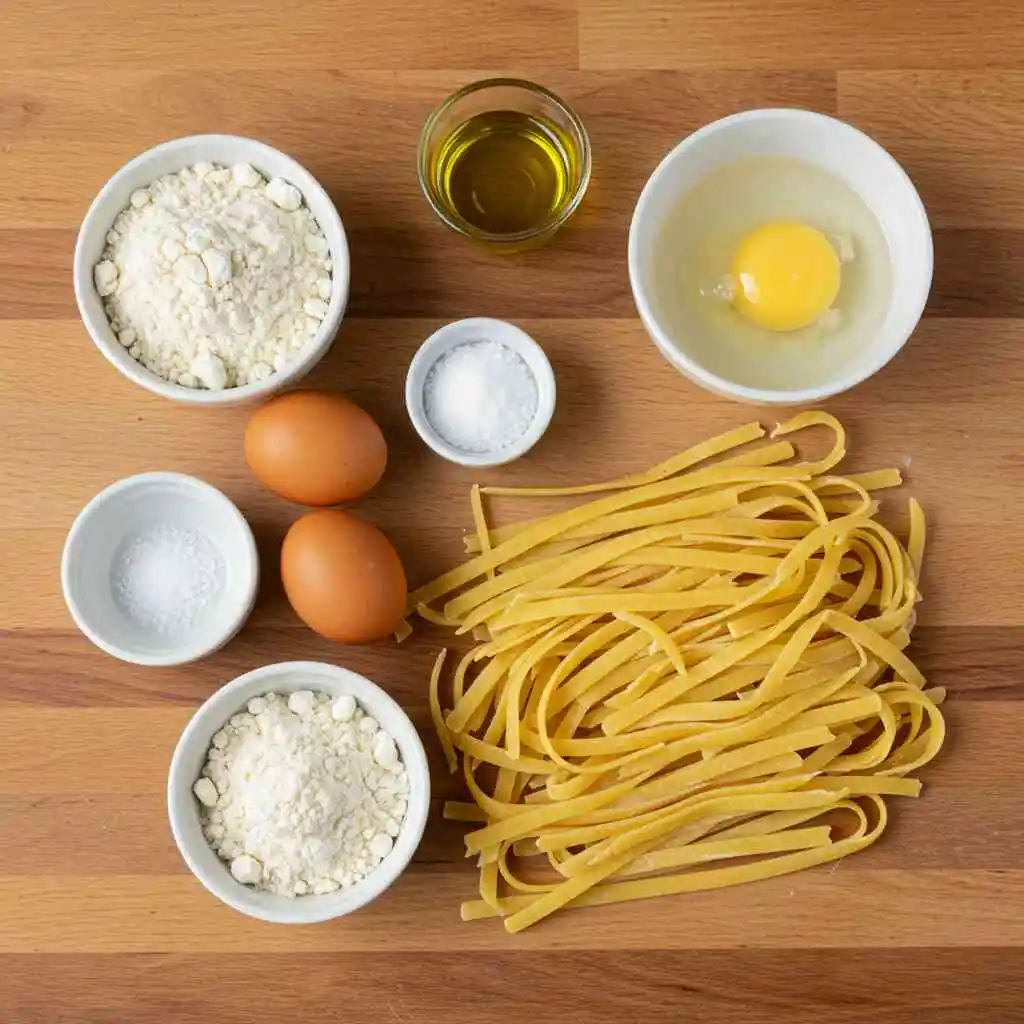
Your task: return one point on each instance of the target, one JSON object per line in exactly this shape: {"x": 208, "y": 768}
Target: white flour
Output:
{"x": 304, "y": 795}
{"x": 213, "y": 277}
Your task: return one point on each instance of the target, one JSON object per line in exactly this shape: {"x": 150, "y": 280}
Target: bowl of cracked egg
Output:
{"x": 298, "y": 792}
{"x": 212, "y": 269}
{"x": 779, "y": 256}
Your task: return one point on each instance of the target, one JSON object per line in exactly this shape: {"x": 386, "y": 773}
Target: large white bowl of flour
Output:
{"x": 186, "y": 812}
{"x": 222, "y": 151}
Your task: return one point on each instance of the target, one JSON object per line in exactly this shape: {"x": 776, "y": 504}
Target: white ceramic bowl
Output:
{"x": 128, "y": 509}
{"x": 842, "y": 150}
{"x": 464, "y": 332}
{"x": 172, "y": 156}
{"x": 190, "y": 756}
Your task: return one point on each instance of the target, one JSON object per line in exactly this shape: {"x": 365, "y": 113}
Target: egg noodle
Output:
{"x": 694, "y": 680}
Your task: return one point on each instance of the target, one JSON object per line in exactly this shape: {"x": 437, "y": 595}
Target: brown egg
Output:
{"x": 343, "y": 577}
{"x": 315, "y": 448}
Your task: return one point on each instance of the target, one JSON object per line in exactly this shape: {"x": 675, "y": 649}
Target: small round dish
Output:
{"x": 190, "y": 756}
{"x": 503, "y": 94}
{"x": 836, "y": 147}
{"x": 465, "y": 332}
{"x": 166, "y": 158}
{"x": 127, "y": 513}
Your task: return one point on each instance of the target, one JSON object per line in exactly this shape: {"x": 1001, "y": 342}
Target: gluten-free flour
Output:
{"x": 214, "y": 277}
{"x": 302, "y": 794}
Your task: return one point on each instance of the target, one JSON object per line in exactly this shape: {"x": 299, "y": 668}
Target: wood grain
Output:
{"x": 169, "y": 913}
{"x": 978, "y": 663}
{"x": 959, "y": 130}
{"x": 598, "y": 986}
{"x": 100, "y": 921}
{"x": 611, "y": 421}
{"x": 63, "y": 825}
{"x": 799, "y": 34}
{"x": 393, "y": 34}
{"x": 55, "y": 750}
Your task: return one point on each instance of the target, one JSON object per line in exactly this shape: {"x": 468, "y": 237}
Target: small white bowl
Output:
{"x": 463, "y": 332}
{"x": 190, "y": 756}
{"x": 836, "y": 147}
{"x": 127, "y": 509}
{"x": 165, "y": 159}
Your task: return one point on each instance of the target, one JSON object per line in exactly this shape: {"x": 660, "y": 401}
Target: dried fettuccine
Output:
{"x": 694, "y": 680}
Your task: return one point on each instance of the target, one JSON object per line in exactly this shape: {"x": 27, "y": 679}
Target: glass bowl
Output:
{"x": 518, "y": 96}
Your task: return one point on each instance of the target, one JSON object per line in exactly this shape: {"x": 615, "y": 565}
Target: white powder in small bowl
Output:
{"x": 480, "y": 397}
{"x": 165, "y": 576}
{"x": 302, "y": 794}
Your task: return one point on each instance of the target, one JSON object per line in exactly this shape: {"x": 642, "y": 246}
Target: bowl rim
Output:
{"x": 442, "y": 341}
{"x": 917, "y": 214}
{"x": 224, "y": 887}
{"x": 138, "y": 374}
{"x": 95, "y": 506}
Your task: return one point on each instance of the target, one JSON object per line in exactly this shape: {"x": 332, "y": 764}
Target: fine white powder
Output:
{"x": 214, "y": 277}
{"x": 163, "y": 578}
{"x": 480, "y": 397}
{"x": 302, "y": 795}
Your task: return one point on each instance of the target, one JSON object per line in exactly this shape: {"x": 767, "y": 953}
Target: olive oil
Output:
{"x": 504, "y": 172}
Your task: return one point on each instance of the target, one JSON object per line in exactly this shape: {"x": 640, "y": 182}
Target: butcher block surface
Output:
{"x": 100, "y": 920}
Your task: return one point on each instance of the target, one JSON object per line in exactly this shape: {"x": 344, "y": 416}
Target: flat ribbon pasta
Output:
{"x": 697, "y": 679}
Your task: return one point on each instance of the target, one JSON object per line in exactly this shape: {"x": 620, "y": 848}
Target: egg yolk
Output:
{"x": 787, "y": 275}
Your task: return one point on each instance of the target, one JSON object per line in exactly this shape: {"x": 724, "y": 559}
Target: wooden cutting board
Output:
{"x": 99, "y": 920}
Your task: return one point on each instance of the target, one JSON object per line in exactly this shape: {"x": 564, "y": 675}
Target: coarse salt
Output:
{"x": 480, "y": 397}
{"x": 164, "y": 577}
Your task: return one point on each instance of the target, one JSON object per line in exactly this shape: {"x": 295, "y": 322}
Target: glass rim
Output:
{"x": 466, "y": 229}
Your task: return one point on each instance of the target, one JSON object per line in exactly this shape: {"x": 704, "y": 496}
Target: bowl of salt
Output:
{"x": 480, "y": 392}
{"x": 160, "y": 569}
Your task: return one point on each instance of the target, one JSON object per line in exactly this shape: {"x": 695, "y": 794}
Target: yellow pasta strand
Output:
{"x": 700, "y": 453}
{"x": 437, "y": 716}
{"x": 476, "y": 504}
{"x": 691, "y": 682}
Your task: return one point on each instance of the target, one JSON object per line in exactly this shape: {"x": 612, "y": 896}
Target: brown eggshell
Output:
{"x": 315, "y": 448}
{"x": 343, "y": 577}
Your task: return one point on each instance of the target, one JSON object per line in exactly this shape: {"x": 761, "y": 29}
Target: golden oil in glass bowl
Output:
{"x": 504, "y": 162}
